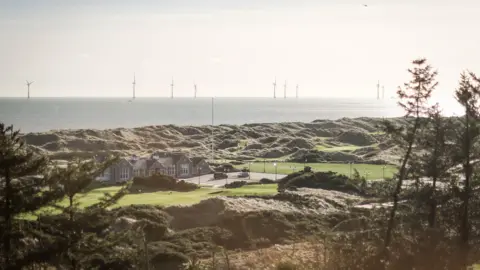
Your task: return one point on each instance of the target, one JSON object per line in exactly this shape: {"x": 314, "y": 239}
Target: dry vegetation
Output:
{"x": 341, "y": 140}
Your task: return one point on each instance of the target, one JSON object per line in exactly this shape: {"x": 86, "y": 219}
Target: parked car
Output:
{"x": 244, "y": 173}
{"x": 219, "y": 175}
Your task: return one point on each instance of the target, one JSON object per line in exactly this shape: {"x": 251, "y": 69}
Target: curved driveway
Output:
{"x": 207, "y": 180}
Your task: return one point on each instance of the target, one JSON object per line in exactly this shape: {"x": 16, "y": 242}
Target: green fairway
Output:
{"x": 176, "y": 198}
{"x": 373, "y": 171}
{"x": 342, "y": 148}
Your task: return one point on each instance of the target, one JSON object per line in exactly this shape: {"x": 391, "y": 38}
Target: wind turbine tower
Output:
{"x": 296, "y": 92}
{"x": 383, "y": 92}
{"x": 275, "y": 88}
{"x": 28, "y": 89}
{"x": 171, "y": 87}
{"x": 378, "y": 90}
{"x": 285, "y": 90}
{"x": 195, "y": 90}
{"x": 133, "y": 85}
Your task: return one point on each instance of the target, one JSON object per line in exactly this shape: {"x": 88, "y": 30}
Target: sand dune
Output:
{"x": 339, "y": 140}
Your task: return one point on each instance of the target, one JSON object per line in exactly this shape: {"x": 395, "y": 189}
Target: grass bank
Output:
{"x": 176, "y": 198}
{"x": 372, "y": 171}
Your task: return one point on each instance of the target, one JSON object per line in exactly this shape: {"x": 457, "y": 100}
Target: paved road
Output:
{"x": 207, "y": 180}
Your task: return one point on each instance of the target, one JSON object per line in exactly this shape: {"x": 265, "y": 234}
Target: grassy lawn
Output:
{"x": 176, "y": 198}
{"x": 374, "y": 171}
{"x": 326, "y": 148}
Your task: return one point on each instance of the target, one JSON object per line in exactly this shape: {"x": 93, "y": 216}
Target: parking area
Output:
{"x": 207, "y": 180}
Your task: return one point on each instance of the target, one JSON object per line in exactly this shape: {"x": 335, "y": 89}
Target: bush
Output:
{"x": 236, "y": 184}
{"x": 267, "y": 181}
{"x": 321, "y": 180}
{"x": 235, "y": 162}
{"x": 161, "y": 182}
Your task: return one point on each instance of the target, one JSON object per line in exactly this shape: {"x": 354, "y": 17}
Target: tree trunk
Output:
{"x": 433, "y": 204}
{"x": 464, "y": 223}
{"x": 8, "y": 219}
{"x": 398, "y": 189}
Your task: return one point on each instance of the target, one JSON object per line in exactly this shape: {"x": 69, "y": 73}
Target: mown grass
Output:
{"x": 371, "y": 171}
{"x": 327, "y": 148}
{"x": 166, "y": 198}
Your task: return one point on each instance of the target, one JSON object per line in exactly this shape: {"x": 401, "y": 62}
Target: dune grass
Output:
{"x": 372, "y": 171}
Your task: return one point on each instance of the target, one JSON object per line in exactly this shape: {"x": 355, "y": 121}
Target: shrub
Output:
{"x": 236, "y": 184}
{"x": 235, "y": 162}
{"x": 321, "y": 180}
{"x": 161, "y": 182}
{"x": 267, "y": 181}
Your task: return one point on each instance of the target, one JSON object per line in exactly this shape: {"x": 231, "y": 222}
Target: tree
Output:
{"x": 76, "y": 229}
{"x": 23, "y": 190}
{"x": 434, "y": 155}
{"x": 467, "y": 95}
{"x": 413, "y": 99}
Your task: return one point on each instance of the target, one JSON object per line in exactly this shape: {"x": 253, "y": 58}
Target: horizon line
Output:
{"x": 179, "y": 97}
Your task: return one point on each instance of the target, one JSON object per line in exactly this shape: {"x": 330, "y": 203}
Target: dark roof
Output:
{"x": 176, "y": 157}
{"x": 196, "y": 160}
{"x": 150, "y": 163}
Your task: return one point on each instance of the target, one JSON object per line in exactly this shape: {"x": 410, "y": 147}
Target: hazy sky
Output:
{"x": 231, "y": 48}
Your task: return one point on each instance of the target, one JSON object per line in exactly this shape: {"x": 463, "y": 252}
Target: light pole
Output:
{"x": 199, "y": 174}
{"x": 264, "y": 165}
{"x": 350, "y": 169}
{"x": 249, "y": 169}
{"x": 366, "y": 174}
{"x": 275, "y": 165}
{"x": 226, "y": 172}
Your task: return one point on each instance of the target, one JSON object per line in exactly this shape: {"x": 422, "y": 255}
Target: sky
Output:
{"x": 330, "y": 48}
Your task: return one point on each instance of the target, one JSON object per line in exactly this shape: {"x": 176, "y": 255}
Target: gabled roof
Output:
{"x": 149, "y": 163}
{"x": 177, "y": 156}
{"x": 140, "y": 164}
{"x": 196, "y": 160}
{"x": 128, "y": 160}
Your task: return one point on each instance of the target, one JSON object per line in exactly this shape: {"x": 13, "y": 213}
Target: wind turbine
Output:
{"x": 296, "y": 92}
{"x": 133, "y": 84}
{"x": 195, "y": 90}
{"x": 275, "y": 88}
{"x": 285, "y": 89}
{"x": 28, "y": 89}
{"x": 378, "y": 90}
{"x": 171, "y": 86}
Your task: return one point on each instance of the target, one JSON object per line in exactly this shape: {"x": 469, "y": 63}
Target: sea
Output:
{"x": 44, "y": 114}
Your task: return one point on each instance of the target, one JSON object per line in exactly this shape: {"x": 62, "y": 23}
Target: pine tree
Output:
{"x": 467, "y": 95}
{"x": 74, "y": 228}
{"x": 434, "y": 156}
{"x": 413, "y": 99}
{"x": 23, "y": 190}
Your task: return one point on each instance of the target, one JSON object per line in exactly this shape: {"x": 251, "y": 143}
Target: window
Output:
{"x": 171, "y": 170}
{"x": 106, "y": 173}
{"x": 124, "y": 173}
{"x": 184, "y": 169}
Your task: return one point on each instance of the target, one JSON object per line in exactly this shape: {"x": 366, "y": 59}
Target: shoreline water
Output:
{"x": 42, "y": 115}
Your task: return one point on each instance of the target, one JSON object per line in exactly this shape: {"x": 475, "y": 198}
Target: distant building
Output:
{"x": 174, "y": 164}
